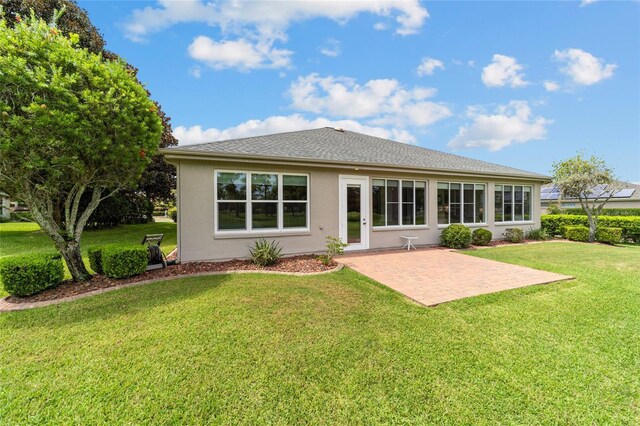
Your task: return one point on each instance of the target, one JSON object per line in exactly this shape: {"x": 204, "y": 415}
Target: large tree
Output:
{"x": 588, "y": 180}
{"x": 71, "y": 123}
{"x": 159, "y": 178}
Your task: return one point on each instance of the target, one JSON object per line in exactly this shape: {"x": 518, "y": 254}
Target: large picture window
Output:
{"x": 252, "y": 201}
{"x": 513, "y": 203}
{"x": 461, "y": 203}
{"x": 399, "y": 202}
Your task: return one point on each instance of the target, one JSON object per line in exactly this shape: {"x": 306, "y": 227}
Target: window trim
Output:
{"x": 462, "y": 203}
{"x": 513, "y": 203}
{"x": 400, "y": 226}
{"x": 248, "y": 231}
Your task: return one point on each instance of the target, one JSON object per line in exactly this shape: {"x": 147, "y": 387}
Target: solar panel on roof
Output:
{"x": 624, "y": 193}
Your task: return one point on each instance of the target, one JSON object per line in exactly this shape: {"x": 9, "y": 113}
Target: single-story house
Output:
{"x": 628, "y": 197}
{"x": 300, "y": 187}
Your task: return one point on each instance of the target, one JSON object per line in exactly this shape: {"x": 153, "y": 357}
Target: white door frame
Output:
{"x": 363, "y": 181}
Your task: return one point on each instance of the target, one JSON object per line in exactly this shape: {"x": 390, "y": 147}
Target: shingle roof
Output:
{"x": 340, "y": 146}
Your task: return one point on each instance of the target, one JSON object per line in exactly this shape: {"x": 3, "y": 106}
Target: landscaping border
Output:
{"x": 6, "y": 306}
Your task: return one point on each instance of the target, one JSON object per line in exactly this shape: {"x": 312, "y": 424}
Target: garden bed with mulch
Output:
{"x": 296, "y": 264}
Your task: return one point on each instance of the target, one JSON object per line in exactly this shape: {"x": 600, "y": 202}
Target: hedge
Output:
{"x": 576, "y": 233}
{"x": 456, "y": 236}
{"x": 605, "y": 212}
{"x": 630, "y": 225}
{"x": 95, "y": 258}
{"x": 120, "y": 261}
{"x": 29, "y": 274}
{"x": 608, "y": 235}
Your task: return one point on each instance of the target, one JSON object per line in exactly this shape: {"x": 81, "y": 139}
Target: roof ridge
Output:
{"x": 252, "y": 137}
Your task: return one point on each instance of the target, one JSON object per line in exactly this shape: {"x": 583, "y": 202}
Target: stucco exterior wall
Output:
{"x": 197, "y": 239}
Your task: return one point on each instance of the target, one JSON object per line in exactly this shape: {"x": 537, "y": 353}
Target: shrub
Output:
{"x": 630, "y": 225}
{"x": 29, "y": 274}
{"x": 481, "y": 237}
{"x": 120, "y": 261}
{"x": 577, "y": 233}
{"x": 608, "y": 235}
{"x": 265, "y": 253}
{"x": 334, "y": 246}
{"x": 173, "y": 214}
{"x": 537, "y": 234}
{"x": 456, "y": 236}
{"x": 563, "y": 230}
{"x": 514, "y": 235}
{"x": 604, "y": 212}
{"x": 95, "y": 259}
{"x": 21, "y": 216}
{"x": 554, "y": 209}
{"x": 125, "y": 207}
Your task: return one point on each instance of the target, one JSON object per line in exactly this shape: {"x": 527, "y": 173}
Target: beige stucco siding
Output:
{"x": 197, "y": 239}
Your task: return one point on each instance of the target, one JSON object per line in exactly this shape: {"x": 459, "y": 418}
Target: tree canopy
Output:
{"x": 71, "y": 122}
{"x": 159, "y": 178}
{"x": 590, "y": 181}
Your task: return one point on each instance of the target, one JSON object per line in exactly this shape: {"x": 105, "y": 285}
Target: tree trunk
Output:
{"x": 593, "y": 221}
{"x": 592, "y": 230}
{"x": 72, "y": 255}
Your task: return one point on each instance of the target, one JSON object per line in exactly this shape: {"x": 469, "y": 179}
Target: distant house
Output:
{"x": 626, "y": 198}
{"x": 300, "y": 187}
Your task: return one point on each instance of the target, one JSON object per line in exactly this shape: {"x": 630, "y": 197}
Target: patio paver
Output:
{"x": 432, "y": 276}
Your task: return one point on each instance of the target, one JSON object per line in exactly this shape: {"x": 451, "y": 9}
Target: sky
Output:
{"x": 518, "y": 83}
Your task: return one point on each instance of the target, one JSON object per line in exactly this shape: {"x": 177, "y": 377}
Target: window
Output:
{"x": 251, "y": 201}
{"x": 513, "y": 203}
{"x": 461, "y": 203}
{"x": 399, "y": 202}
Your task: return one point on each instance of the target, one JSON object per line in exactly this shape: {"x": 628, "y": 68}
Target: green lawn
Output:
{"x": 336, "y": 349}
{"x": 26, "y": 237}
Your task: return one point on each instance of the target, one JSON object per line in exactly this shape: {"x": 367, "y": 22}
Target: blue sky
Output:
{"x": 517, "y": 83}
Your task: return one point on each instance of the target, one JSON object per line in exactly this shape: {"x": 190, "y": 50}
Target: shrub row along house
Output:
{"x": 300, "y": 187}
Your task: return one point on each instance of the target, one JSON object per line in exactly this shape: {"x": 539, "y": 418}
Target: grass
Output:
{"x": 336, "y": 348}
{"x": 26, "y": 237}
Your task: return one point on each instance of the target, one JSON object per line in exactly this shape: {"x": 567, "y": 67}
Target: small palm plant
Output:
{"x": 265, "y": 253}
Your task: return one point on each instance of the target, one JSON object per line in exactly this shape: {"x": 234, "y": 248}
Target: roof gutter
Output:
{"x": 176, "y": 155}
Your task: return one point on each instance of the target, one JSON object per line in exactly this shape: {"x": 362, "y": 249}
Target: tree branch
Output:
{"x": 93, "y": 204}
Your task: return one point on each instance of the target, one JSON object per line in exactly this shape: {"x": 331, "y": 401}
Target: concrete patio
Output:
{"x": 431, "y": 276}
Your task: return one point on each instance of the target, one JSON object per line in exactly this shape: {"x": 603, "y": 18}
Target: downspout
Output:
{"x": 179, "y": 203}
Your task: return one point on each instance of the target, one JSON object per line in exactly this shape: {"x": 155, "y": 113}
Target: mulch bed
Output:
{"x": 300, "y": 264}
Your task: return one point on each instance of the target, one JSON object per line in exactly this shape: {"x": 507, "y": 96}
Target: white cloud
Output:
{"x": 582, "y": 67}
{"x": 278, "y": 124}
{"x": 380, "y": 26}
{"x": 503, "y": 71}
{"x": 254, "y": 27}
{"x": 231, "y": 15}
{"x": 584, "y": 3}
{"x": 195, "y": 71}
{"x": 239, "y": 53}
{"x": 428, "y": 66}
{"x": 471, "y": 63}
{"x": 509, "y": 124}
{"x": 331, "y": 48}
{"x": 381, "y": 102}
{"x": 551, "y": 86}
